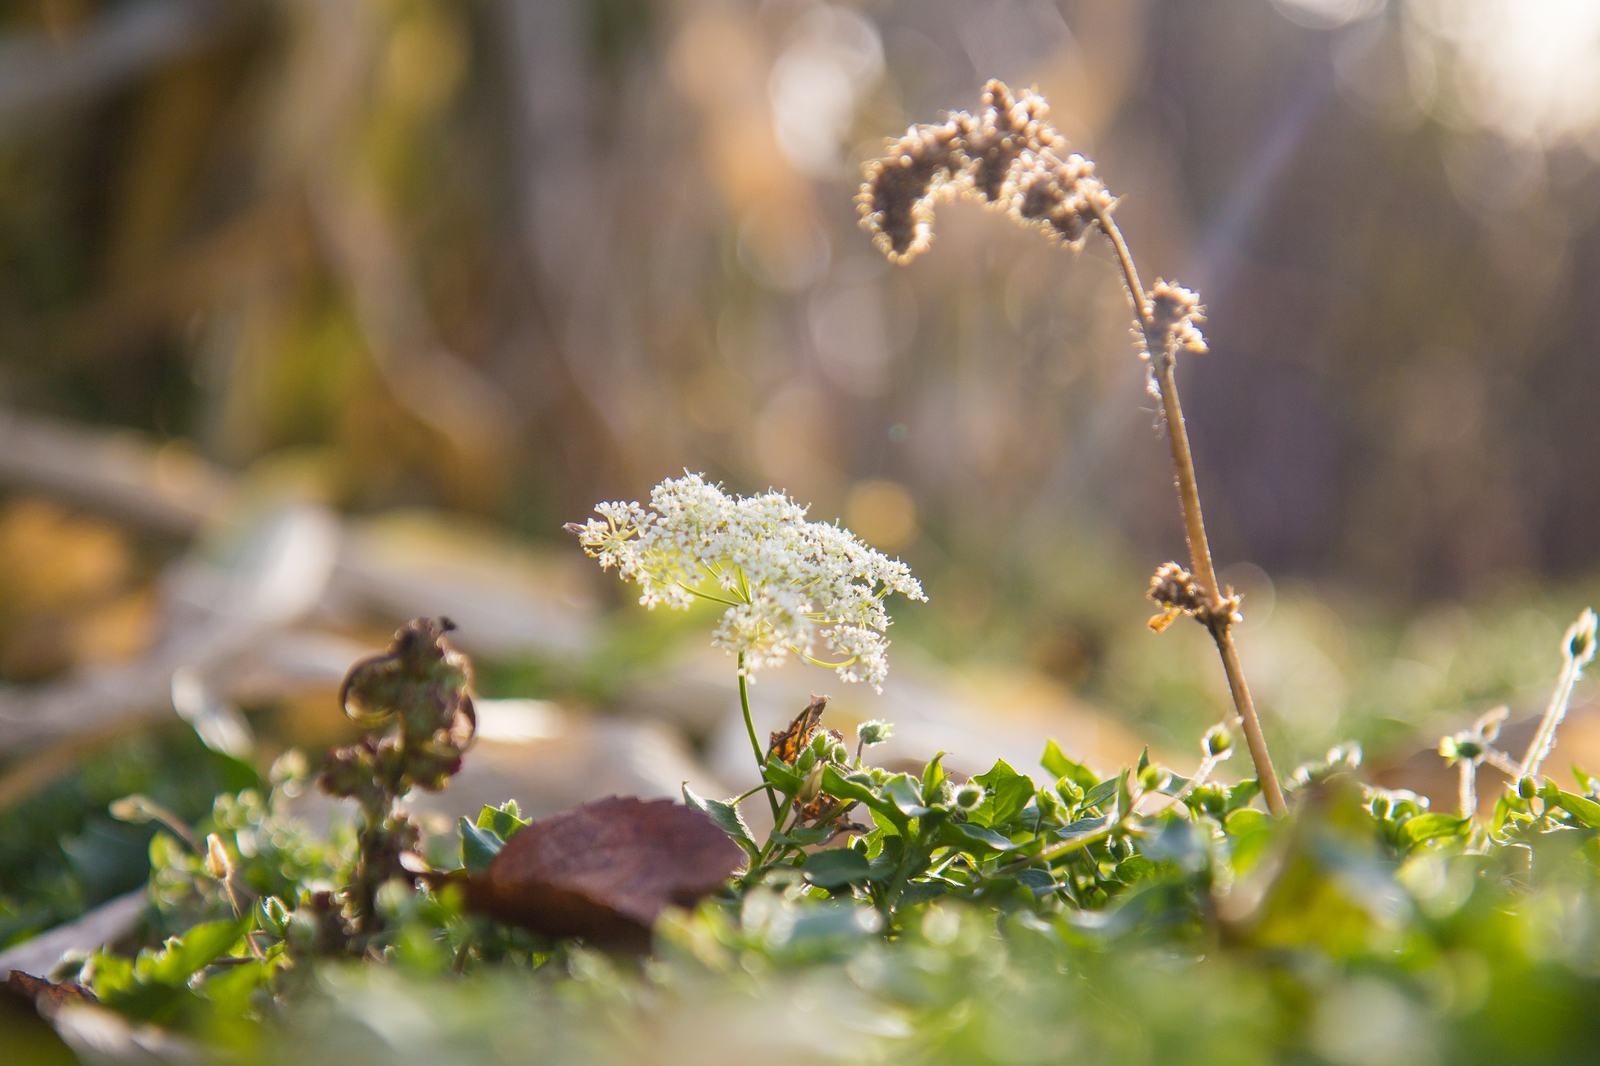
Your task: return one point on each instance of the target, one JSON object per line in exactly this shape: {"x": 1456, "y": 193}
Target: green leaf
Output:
{"x": 1100, "y": 793}
{"x": 835, "y": 867}
{"x": 805, "y": 836}
{"x": 726, "y": 817}
{"x": 854, "y": 788}
{"x": 478, "y": 846}
{"x": 905, "y": 792}
{"x": 1241, "y": 794}
{"x": 1582, "y": 808}
{"x": 1009, "y": 792}
{"x": 1246, "y": 821}
{"x": 932, "y": 774}
{"x": 917, "y": 892}
{"x": 781, "y": 777}
{"x": 1084, "y": 827}
{"x": 1040, "y": 882}
{"x": 1251, "y": 830}
{"x": 502, "y": 820}
{"x": 1134, "y": 868}
{"x": 1060, "y": 765}
{"x": 113, "y": 975}
{"x": 183, "y": 957}
{"x": 963, "y": 835}
{"x": 231, "y": 989}
{"x": 1585, "y": 780}
{"x": 1433, "y": 826}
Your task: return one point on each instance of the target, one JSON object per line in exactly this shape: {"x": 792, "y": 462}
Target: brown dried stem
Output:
{"x": 1219, "y": 620}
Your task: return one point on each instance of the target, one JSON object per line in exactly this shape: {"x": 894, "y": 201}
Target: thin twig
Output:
{"x": 1220, "y": 621}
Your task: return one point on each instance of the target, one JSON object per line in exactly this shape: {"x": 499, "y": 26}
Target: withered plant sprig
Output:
{"x": 1008, "y": 156}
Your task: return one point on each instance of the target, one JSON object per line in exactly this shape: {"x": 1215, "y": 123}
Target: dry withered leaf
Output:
{"x": 605, "y": 871}
{"x": 46, "y": 995}
{"x": 26, "y": 1002}
{"x": 786, "y": 743}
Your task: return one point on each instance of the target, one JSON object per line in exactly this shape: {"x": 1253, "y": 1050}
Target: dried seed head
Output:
{"x": 1006, "y": 156}
{"x": 1175, "y": 317}
{"x": 896, "y": 200}
{"x": 1180, "y": 592}
{"x": 1009, "y": 126}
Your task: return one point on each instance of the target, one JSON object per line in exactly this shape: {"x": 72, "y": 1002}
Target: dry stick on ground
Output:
{"x": 1009, "y": 157}
{"x": 1219, "y": 620}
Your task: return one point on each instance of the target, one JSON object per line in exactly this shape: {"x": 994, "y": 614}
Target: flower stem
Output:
{"x": 1544, "y": 739}
{"x": 755, "y": 743}
{"x": 1220, "y": 623}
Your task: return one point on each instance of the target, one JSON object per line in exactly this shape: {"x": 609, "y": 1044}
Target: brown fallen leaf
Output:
{"x": 605, "y": 871}
{"x": 46, "y": 995}
{"x": 26, "y": 1005}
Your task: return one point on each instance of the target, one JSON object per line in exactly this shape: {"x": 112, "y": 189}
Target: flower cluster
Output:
{"x": 789, "y": 584}
{"x": 1007, "y": 156}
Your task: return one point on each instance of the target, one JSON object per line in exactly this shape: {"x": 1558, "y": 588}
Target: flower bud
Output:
{"x": 874, "y": 732}
{"x": 274, "y": 915}
{"x": 1581, "y": 637}
{"x": 1070, "y": 791}
{"x": 1121, "y": 848}
{"x": 218, "y": 864}
{"x": 1151, "y": 778}
{"x": 969, "y": 796}
{"x": 1527, "y": 788}
{"x": 1051, "y": 807}
{"x": 813, "y": 782}
{"x": 1449, "y": 749}
{"x": 1380, "y": 806}
{"x": 1218, "y": 741}
{"x": 820, "y": 744}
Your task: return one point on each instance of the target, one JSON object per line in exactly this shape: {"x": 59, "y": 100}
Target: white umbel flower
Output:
{"x": 789, "y": 584}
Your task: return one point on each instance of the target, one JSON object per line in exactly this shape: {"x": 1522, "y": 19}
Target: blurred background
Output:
{"x": 318, "y": 314}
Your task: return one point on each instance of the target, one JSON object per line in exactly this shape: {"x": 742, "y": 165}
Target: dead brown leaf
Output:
{"x": 605, "y": 871}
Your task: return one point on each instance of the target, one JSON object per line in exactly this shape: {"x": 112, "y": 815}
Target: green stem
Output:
{"x": 755, "y": 743}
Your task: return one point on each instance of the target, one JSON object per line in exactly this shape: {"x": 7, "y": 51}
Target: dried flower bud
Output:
{"x": 874, "y": 732}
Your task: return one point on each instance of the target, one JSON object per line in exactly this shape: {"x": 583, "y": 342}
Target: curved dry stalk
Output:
{"x": 1008, "y": 156}
{"x": 1219, "y": 621}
